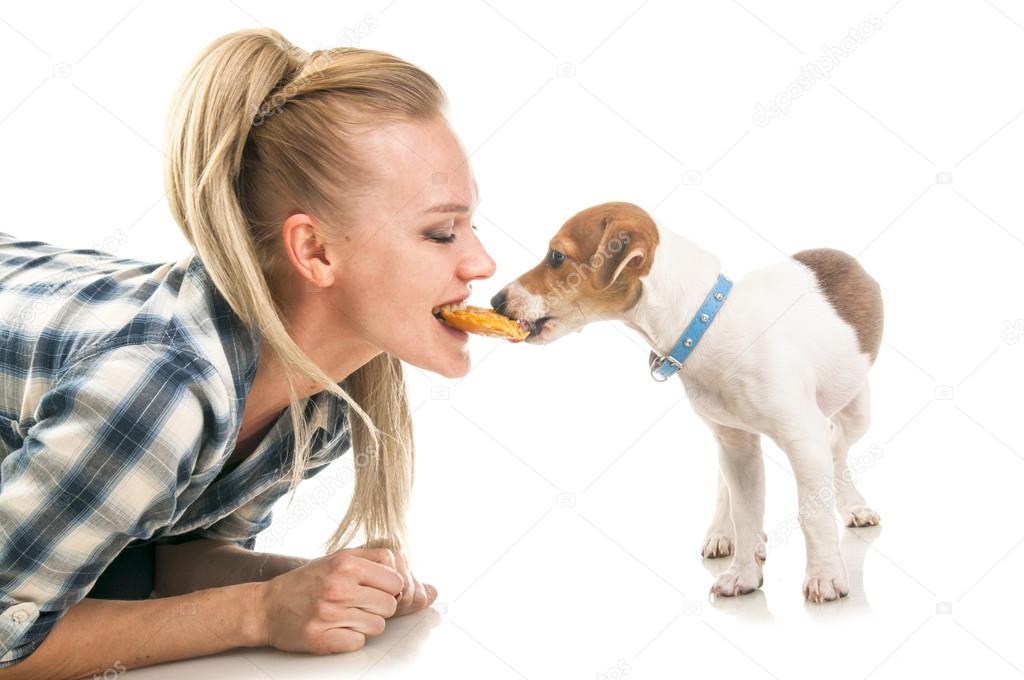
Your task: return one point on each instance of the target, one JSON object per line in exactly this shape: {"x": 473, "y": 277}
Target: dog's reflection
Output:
{"x": 753, "y": 607}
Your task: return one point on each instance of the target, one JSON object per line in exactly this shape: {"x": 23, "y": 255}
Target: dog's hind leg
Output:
{"x": 718, "y": 541}
{"x": 848, "y": 426}
{"x": 804, "y": 436}
{"x": 742, "y": 464}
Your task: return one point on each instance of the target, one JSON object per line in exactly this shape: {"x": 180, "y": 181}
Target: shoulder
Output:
{"x": 125, "y": 367}
{"x": 160, "y": 401}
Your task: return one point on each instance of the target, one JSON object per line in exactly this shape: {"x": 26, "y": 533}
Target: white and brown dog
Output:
{"x": 787, "y": 356}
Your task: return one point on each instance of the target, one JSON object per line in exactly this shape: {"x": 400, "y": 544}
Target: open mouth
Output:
{"x": 448, "y": 308}
{"x": 485, "y": 321}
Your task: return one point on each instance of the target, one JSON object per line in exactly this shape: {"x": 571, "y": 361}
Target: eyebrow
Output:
{"x": 448, "y": 208}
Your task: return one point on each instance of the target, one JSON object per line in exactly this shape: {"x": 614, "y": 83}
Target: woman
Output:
{"x": 153, "y": 413}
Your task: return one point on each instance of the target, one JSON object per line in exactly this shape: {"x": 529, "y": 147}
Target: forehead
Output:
{"x": 421, "y": 164}
{"x": 580, "y": 235}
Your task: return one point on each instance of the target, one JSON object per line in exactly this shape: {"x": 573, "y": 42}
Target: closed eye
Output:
{"x": 445, "y": 238}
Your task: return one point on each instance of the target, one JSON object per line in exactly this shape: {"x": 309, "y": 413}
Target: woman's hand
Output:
{"x": 332, "y": 603}
{"x": 416, "y": 595}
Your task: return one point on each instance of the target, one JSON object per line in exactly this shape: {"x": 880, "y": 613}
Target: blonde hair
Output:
{"x": 259, "y": 130}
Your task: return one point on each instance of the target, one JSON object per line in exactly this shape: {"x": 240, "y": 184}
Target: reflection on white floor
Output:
{"x": 587, "y": 589}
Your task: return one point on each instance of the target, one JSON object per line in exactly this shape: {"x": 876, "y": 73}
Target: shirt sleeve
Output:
{"x": 114, "y": 443}
{"x": 247, "y": 521}
{"x": 330, "y": 441}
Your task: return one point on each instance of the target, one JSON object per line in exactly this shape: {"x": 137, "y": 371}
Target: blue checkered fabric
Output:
{"x": 123, "y": 388}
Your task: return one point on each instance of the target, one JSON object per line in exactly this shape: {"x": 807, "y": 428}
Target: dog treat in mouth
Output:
{"x": 481, "y": 321}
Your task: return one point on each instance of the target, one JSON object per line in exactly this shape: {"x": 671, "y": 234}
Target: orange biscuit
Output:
{"x": 483, "y": 321}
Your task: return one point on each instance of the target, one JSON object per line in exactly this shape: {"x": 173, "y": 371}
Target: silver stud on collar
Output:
{"x": 718, "y": 296}
{"x": 704, "y": 318}
{"x": 688, "y": 342}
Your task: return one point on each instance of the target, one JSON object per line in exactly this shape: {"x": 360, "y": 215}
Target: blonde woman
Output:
{"x": 153, "y": 412}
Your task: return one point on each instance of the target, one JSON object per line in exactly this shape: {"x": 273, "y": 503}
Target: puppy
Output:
{"x": 784, "y": 352}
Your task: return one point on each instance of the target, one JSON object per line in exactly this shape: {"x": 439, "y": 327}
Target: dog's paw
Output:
{"x": 860, "y": 516}
{"x": 825, "y": 584}
{"x": 717, "y": 544}
{"x": 761, "y": 549}
{"x": 738, "y": 580}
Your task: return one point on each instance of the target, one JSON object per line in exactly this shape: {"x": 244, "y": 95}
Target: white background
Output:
{"x": 561, "y": 495}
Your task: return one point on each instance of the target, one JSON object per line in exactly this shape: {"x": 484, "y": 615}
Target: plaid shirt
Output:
{"x": 123, "y": 388}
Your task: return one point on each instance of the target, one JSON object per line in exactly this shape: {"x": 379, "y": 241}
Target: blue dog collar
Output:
{"x": 664, "y": 367}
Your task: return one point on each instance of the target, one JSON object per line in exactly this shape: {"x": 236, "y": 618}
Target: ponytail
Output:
{"x": 246, "y": 133}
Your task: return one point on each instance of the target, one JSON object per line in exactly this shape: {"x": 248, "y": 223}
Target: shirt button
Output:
{"x": 20, "y": 613}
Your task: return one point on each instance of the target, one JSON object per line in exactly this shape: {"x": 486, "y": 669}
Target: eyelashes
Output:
{"x": 449, "y": 238}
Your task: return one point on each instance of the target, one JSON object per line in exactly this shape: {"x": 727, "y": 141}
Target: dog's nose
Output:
{"x": 498, "y": 302}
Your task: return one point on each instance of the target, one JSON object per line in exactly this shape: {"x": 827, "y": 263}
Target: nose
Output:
{"x": 499, "y": 301}
{"x": 477, "y": 265}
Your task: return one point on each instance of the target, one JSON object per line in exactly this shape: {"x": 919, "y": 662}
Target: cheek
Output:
{"x": 409, "y": 286}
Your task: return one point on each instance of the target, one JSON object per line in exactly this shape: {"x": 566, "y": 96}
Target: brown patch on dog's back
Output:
{"x": 856, "y": 297}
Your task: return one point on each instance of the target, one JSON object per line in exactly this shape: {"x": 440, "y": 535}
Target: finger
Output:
{"x": 416, "y": 602}
{"x": 338, "y": 640}
{"x": 379, "y": 555}
{"x": 431, "y": 593}
{"x": 361, "y": 621}
{"x": 408, "y": 594}
{"x": 374, "y": 601}
{"x": 420, "y": 601}
{"x": 368, "y": 599}
{"x": 376, "y": 575}
{"x": 402, "y": 567}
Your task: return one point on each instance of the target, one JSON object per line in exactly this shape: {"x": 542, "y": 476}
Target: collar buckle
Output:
{"x": 692, "y": 334}
{"x": 659, "y": 362}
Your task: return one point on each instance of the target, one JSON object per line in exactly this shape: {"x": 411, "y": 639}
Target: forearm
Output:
{"x": 96, "y": 635}
{"x": 209, "y": 563}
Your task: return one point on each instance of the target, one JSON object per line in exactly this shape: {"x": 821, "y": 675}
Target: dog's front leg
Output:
{"x": 806, "y": 443}
{"x": 742, "y": 465}
{"x": 719, "y": 538}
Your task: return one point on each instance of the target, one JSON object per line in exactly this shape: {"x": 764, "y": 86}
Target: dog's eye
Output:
{"x": 556, "y": 258}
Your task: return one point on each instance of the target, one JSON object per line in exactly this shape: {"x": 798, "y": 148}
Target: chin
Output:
{"x": 550, "y": 332}
{"x": 451, "y": 368}
{"x": 454, "y": 372}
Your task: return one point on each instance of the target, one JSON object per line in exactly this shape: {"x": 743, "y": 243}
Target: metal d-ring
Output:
{"x": 658, "y": 364}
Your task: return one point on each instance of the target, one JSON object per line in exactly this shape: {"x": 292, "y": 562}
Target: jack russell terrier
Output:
{"x": 784, "y": 353}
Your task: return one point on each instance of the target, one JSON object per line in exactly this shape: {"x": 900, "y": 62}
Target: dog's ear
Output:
{"x": 625, "y": 243}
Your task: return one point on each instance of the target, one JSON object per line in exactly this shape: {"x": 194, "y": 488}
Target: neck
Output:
{"x": 337, "y": 352}
{"x": 680, "y": 277}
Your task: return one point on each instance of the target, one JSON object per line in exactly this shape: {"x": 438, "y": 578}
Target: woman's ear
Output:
{"x": 624, "y": 244}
